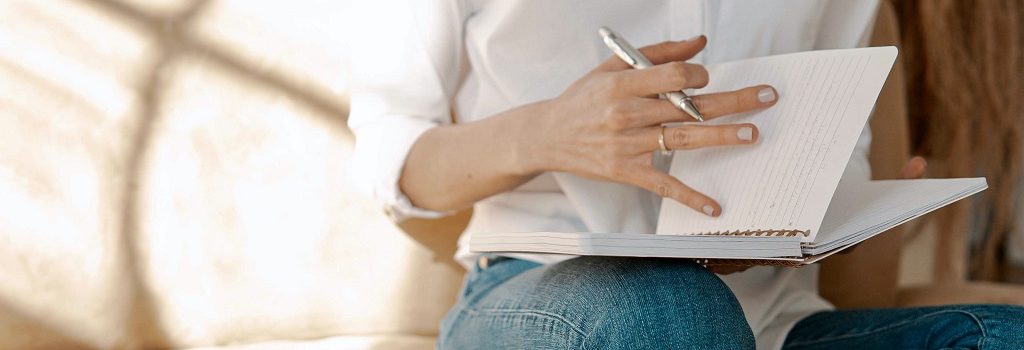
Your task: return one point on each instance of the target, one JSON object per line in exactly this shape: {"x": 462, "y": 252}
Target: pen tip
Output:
{"x": 604, "y": 31}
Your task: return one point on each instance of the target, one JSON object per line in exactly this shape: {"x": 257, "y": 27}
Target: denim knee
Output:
{"x": 653, "y": 303}
{"x": 981, "y": 326}
{"x": 1002, "y": 326}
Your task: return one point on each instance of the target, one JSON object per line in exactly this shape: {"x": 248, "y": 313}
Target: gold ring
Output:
{"x": 661, "y": 142}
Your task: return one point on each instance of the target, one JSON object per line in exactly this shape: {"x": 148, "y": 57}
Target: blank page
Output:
{"x": 862, "y": 208}
{"x": 786, "y": 180}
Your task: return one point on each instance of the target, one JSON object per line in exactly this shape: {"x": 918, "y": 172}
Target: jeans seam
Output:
{"x": 583, "y": 344}
{"x": 981, "y": 326}
{"x": 552, "y": 315}
{"x": 977, "y": 321}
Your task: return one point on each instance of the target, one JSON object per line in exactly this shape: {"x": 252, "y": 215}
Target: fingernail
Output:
{"x": 695, "y": 37}
{"x": 745, "y": 133}
{"x": 708, "y": 209}
{"x": 766, "y": 95}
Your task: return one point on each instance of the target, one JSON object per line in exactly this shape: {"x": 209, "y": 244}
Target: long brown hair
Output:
{"x": 965, "y": 84}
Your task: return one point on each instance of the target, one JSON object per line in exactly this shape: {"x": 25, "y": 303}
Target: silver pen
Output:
{"x": 631, "y": 55}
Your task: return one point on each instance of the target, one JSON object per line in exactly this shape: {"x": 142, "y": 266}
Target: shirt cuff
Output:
{"x": 380, "y": 154}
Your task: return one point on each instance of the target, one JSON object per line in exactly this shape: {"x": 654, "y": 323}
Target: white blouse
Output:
{"x": 414, "y": 62}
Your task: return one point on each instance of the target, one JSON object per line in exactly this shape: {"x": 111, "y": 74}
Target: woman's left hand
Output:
{"x": 914, "y": 168}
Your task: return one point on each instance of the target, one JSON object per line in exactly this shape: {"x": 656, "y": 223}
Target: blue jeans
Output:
{"x": 638, "y": 303}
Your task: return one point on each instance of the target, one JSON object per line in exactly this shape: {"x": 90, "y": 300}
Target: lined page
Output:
{"x": 786, "y": 180}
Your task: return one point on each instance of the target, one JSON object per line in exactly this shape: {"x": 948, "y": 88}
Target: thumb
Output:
{"x": 914, "y": 168}
{"x": 664, "y": 52}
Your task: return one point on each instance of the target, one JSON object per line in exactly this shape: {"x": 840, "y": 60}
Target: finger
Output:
{"x": 700, "y": 136}
{"x": 645, "y": 112}
{"x": 659, "y": 53}
{"x": 671, "y": 76}
{"x": 697, "y": 136}
{"x": 743, "y": 100}
{"x": 914, "y": 168}
{"x": 667, "y": 186}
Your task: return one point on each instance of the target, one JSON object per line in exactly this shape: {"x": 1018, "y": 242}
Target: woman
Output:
{"x": 553, "y": 134}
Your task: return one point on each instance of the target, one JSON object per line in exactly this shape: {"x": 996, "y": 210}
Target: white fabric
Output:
{"x": 484, "y": 57}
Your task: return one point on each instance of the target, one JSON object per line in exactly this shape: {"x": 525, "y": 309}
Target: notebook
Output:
{"x": 783, "y": 199}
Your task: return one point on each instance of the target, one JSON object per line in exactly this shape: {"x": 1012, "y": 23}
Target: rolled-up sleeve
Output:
{"x": 849, "y": 24}
{"x": 405, "y": 62}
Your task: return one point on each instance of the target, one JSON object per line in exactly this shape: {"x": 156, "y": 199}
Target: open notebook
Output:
{"x": 783, "y": 201}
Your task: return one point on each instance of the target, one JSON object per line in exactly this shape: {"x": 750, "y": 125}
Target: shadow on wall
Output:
{"x": 175, "y": 39}
{"x": 185, "y": 176}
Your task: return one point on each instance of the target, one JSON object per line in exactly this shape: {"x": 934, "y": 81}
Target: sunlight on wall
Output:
{"x": 68, "y": 73}
{"x": 305, "y": 39}
{"x": 247, "y": 228}
{"x": 159, "y": 7}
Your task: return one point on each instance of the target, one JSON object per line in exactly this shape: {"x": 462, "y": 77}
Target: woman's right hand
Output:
{"x": 606, "y": 125}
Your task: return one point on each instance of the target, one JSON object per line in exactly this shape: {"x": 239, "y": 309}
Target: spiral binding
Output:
{"x": 759, "y": 233}
{"x": 748, "y": 262}
{"x": 754, "y": 262}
